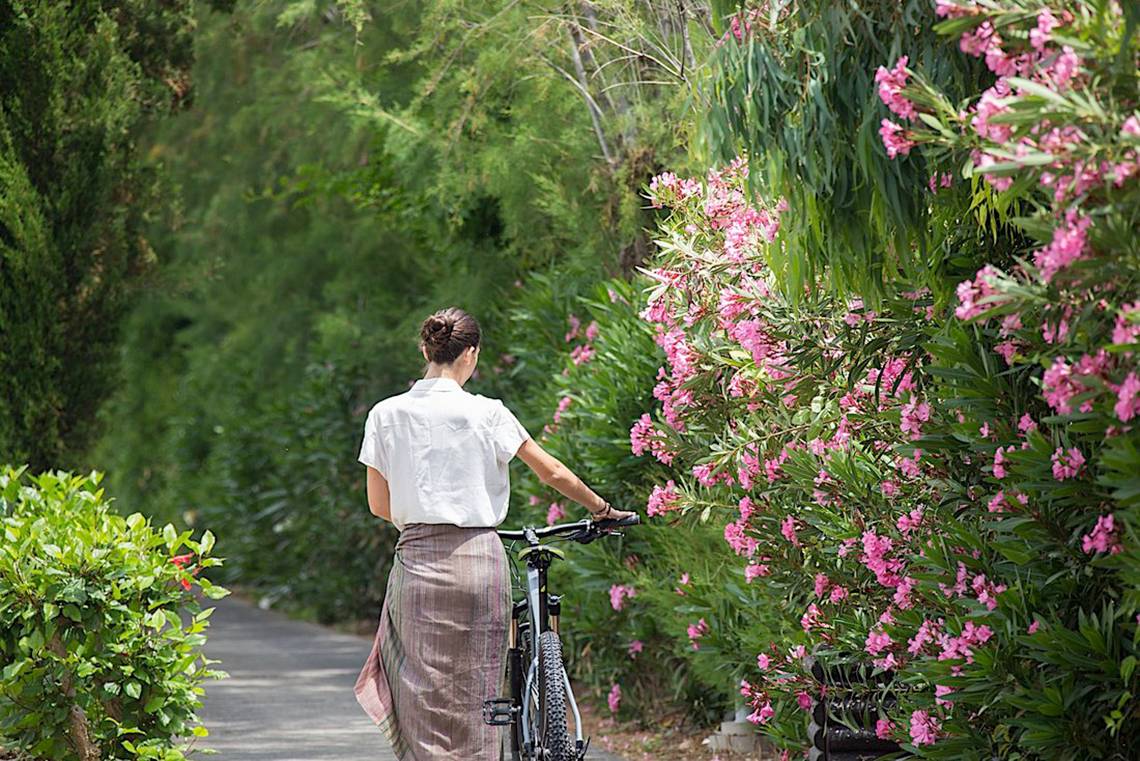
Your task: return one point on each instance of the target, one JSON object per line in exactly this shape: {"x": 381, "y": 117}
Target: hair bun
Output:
{"x": 438, "y": 330}
{"x": 447, "y": 333}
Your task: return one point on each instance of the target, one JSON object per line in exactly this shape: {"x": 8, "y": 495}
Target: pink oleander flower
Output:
{"x": 1103, "y": 538}
{"x": 909, "y": 521}
{"x": 1067, "y": 464}
{"x": 970, "y": 292}
{"x": 978, "y": 41}
{"x": 902, "y": 593}
{"x": 1128, "y": 398}
{"x": 554, "y": 514}
{"x": 804, "y": 700}
{"x": 738, "y": 540}
{"x": 924, "y": 728}
{"x": 575, "y": 323}
{"x": 763, "y": 662}
{"x": 663, "y": 499}
{"x": 641, "y": 434}
{"x": 696, "y": 631}
{"x": 895, "y": 139}
{"x": 747, "y": 508}
{"x": 891, "y": 83}
{"x": 1069, "y": 243}
{"x": 940, "y": 693}
{"x": 563, "y": 404}
{"x": 928, "y": 633}
{"x": 788, "y": 529}
{"x": 581, "y": 354}
{"x": 952, "y": 9}
{"x": 1046, "y": 23}
{"x": 1033, "y": 627}
{"x": 762, "y": 714}
{"x": 913, "y": 415}
{"x": 1127, "y": 327}
{"x": 821, "y": 584}
{"x": 1063, "y": 68}
{"x": 755, "y": 570}
{"x": 997, "y": 503}
{"x": 812, "y": 618}
{"x": 592, "y": 330}
{"x": 999, "y": 464}
{"x": 1059, "y": 385}
{"x": 877, "y": 642}
{"x": 635, "y": 647}
{"x": 838, "y": 594}
{"x": 618, "y": 593}
{"x": 883, "y": 728}
{"x": 614, "y": 698}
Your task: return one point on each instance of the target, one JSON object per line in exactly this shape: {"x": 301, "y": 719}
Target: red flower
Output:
{"x": 180, "y": 560}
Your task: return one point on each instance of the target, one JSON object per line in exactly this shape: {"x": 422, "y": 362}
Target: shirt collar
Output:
{"x": 439, "y": 383}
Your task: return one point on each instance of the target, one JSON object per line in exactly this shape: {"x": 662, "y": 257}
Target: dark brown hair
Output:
{"x": 447, "y": 333}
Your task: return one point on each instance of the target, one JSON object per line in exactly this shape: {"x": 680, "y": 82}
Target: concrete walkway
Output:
{"x": 289, "y": 694}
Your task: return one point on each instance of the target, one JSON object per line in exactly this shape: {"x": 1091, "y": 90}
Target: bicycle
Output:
{"x": 538, "y": 724}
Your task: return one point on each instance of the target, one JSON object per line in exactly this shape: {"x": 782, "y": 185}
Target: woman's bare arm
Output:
{"x": 379, "y": 500}
{"x": 557, "y": 476}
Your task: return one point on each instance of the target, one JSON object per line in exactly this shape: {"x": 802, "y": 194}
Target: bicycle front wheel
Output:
{"x": 554, "y": 737}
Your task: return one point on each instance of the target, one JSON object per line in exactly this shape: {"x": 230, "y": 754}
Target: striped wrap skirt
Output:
{"x": 440, "y": 646}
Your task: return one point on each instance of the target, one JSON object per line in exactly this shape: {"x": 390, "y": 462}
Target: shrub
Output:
{"x": 98, "y": 660}
{"x": 945, "y": 490}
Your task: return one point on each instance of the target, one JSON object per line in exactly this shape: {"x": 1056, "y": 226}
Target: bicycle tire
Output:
{"x": 552, "y": 699}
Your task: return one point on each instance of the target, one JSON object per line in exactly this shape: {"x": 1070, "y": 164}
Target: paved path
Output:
{"x": 289, "y": 693}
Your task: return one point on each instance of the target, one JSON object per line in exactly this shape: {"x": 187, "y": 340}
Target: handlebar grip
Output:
{"x": 631, "y": 520}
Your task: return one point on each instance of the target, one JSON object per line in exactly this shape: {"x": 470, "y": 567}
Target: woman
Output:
{"x": 437, "y": 461}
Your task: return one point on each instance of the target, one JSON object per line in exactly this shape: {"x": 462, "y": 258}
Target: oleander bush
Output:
{"x": 101, "y": 631}
{"x": 930, "y": 470}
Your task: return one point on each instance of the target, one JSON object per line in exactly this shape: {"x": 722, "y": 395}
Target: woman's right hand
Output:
{"x": 611, "y": 513}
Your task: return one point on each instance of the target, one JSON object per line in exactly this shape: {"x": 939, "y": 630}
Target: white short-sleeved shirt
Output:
{"x": 444, "y": 453}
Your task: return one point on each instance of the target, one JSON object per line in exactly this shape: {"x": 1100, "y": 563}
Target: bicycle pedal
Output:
{"x": 499, "y": 712}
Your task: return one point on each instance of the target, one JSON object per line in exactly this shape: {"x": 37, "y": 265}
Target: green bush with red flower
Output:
{"x": 101, "y": 631}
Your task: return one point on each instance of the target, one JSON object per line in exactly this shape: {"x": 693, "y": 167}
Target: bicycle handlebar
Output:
{"x": 587, "y": 529}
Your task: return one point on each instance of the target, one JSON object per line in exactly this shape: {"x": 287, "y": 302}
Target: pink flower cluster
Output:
{"x": 618, "y": 595}
{"x": 663, "y": 499}
{"x": 554, "y": 513}
{"x": 924, "y": 728}
{"x": 644, "y": 436}
{"x": 614, "y": 698}
{"x": 696, "y": 631}
{"x": 1103, "y": 538}
{"x": 891, "y": 82}
{"x": 1067, "y": 463}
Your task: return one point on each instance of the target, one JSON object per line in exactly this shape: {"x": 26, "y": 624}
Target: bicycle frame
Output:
{"x": 534, "y": 614}
{"x": 543, "y": 610}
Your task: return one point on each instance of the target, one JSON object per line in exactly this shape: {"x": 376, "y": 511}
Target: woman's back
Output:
{"x": 444, "y": 453}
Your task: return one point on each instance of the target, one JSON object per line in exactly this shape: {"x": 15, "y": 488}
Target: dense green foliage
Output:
{"x": 849, "y": 391}
{"x": 98, "y": 661}
{"x": 329, "y": 188}
{"x": 78, "y": 83}
{"x": 946, "y": 491}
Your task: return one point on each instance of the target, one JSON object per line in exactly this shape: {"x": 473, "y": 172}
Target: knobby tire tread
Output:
{"x": 552, "y": 689}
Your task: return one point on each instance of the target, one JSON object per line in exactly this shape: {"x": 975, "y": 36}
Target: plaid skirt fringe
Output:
{"x": 440, "y": 646}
